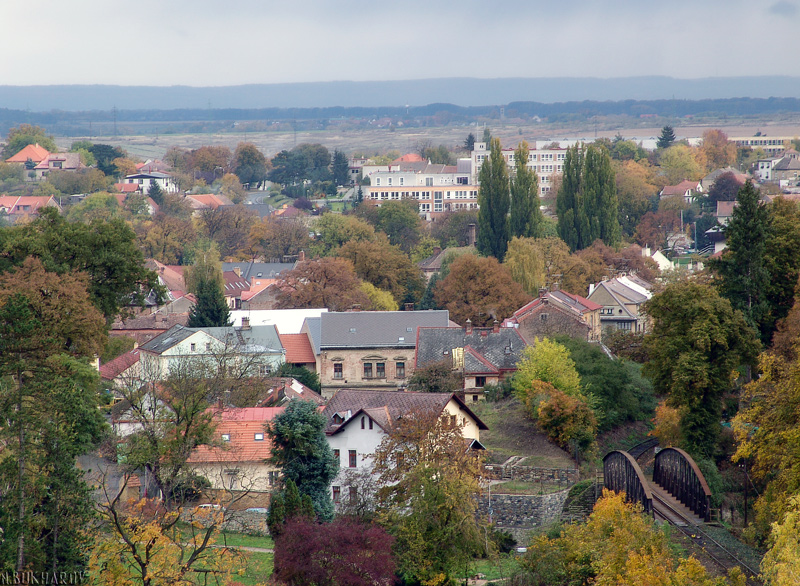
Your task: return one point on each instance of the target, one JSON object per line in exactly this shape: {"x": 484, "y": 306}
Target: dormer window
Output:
{"x": 226, "y": 437}
{"x": 337, "y": 419}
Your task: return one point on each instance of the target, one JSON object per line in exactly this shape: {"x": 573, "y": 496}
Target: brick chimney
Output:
{"x": 473, "y": 234}
{"x": 245, "y": 323}
{"x": 238, "y": 271}
{"x": 496, "y": 327}
{"x": 409, "y": 307}
{"x": 468, "y": 326}
{"x": 542, "y": 291}
{"x": 301, "y": 256}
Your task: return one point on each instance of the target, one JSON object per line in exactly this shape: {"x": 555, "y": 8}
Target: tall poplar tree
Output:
{"x": 526, "y": 217}
{"x": 586, "y": 203}
{"x": 494, "y": 201}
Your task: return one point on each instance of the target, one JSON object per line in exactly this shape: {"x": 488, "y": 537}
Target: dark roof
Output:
{"x": 254, "y": 339}
{"x": 259, "y": 270}
{"x": 168, "y": 339}
{"x": 387, "y": 406}
{"x": 499, "y": 350}
{"x": 313, "y": 326}
{"x": 787, "y": 164}
{"x": 371, "y": 329}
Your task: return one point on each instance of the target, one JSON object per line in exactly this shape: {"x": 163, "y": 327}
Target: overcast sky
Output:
{"x": 209, "y": 42}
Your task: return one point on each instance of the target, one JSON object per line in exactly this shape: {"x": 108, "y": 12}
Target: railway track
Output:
{"x": 716, "y": 552}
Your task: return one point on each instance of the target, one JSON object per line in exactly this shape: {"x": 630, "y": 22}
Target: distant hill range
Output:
{"x": 463, "y": 92}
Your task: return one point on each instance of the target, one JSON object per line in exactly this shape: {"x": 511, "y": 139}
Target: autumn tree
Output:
{"x": 586, "y": 203}
{"x": 479, "y": 289}
{"x": 697, "y": 342}
{"x": 333, "y": 230}
{"x": 453, "y": 228}
{"x": 301, "y": 452}
{"x": 725, "y": 188}
{"x": 525, "y": 213}
{"x": 525, "y": 264}
{"x": 678, "y": 162}
{"x": 493, "y": 201}
{"x": 781, "y": 564}
{"x": 636, "y": 189}
{"x": 386, "y": 267}
{"x": 343, "y": 552}
{"x": 166, "y": 238}
{"x": 204, "y": 279}
{"x": 717, "y": 150}
{"x": 427, "y": 496}
{"x": 275, "y": 238}
{"x": 325, "y": 282}
{"x": 229, "y": 227}
{"x": 546, "y": 361}
{"x": 48, "y": 403}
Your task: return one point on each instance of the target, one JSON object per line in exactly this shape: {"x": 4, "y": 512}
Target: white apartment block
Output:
{"x": 548, "y": 163}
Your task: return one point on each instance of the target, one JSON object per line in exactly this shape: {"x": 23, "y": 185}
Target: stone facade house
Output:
{"x": 621, "y": 299}
{"x": 557, "y": 313}
{"x": 482, "y": 355}
{"x": 367, "y": 349}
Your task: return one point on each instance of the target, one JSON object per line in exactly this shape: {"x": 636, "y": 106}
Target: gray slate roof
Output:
{"x": 374, "y": 329}
{"x": 490, "y": 351}
{"x": 257, "y": 339}
{"x": 259, "y": 270}
{"x": 313, "y": 326}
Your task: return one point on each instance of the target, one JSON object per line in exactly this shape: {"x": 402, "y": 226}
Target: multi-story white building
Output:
{"x": 548, "y": 163}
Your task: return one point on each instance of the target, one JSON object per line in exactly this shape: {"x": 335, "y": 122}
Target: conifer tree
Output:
{"x": 667, "y": 138}
{"x": 205, "y": 280}
{"x": 526, "y": 217}
{"x": 493, "y": 201}
{"x": 586, "y": 203}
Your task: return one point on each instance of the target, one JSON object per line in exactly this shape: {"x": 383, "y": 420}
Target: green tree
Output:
{"x": 742, "y": 269}
{"x": 526, "y": 216}
{"x": 400, "y": 221}
{"x": 678, "y": 162}
{"x": 586, "y": 203}
{"x": 469, "y": 142}
{"x": 494, "y": 202}
{"x": 301, "y": 374}
{"x": 697, "y": 342}
{"x": 437, "y": 377}
{"x": 333, "y": 230}
{"x": 667, "y": 138}
{"x": 550, "y": 362}
{"x": 301, "y": 452}
{"x": 105, "y": 250}
{"x": 525, "y": 263}
{"x": 204, "y": 279}
{"x": 21, "y": 136}
{"x": 105, "y": 155}
{"x": 48, "y": 404}
{"x": 249, "y": 164}
{"x": 428, "y": 497}
{"x": 340, "y": 168}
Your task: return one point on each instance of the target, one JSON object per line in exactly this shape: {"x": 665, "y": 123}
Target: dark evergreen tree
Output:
{"x": 301, "y": 374}
{"x": 744, "y": 278}
{"x": 487, "y": 136}
{"x": 211, "y": 310}
{"x": 341, "y": 168}
{"x": 526, "y": 217}
{"x": 469, "y": 142}
{"x": 493, "y": 201}
{"x": 667, "y": 138}
{"x": 586, "y": 203}
{"x": 156, "y": 193}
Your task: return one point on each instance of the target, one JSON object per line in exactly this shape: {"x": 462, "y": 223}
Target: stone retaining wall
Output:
{"x": 519, "y": 513}
{"x": 534, "y": 474}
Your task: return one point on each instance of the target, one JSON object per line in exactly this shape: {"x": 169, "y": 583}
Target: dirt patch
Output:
{"x": 511, "y": 433}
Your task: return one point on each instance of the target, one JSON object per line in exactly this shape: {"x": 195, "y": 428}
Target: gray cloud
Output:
{"x": 784, "y": 8}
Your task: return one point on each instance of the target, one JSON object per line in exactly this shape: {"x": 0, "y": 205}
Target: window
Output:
{"x": 401, "y": 181}
{"x": 370, "y": 423}
{"x": 367, "y": 370}
{"x": 362, "y": 422}
{"x": 259, "y": 437}
{"x": 377, "y": 181}
{"x": 389, "y": 181}
{"x": 429, "y": 182}
{"x": 226, "y": 437}
{"x": 208, "y": 346}
{"x": 352, "y": 459}
{"x": 191, "y": 347}
{"x": 380, "y": 369}
{"x": 272, "y": 477}
{"x": 337, "y": 455}
{"x": 264, "y": 369}
{"x": 400, "y": 370}
{"x": 337, "y": 494}
{"x": 353, "y": 494}
{"x": 337, "y": 370}
{"x": 480, "y": 381}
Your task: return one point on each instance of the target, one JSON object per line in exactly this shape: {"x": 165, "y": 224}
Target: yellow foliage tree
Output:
{"x": 667, "y": 425}
{"x": 781, "y": 564}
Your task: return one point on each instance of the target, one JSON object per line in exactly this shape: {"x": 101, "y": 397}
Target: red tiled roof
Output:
{"x": 113, "y": 368}
{"x": 210, "y": 200}
{"x": 298, "y": 348}
{"x": 126, "y": 187}
{"x": 408, "y": 158}
{"x": 15, "y": 203}
{"x": 241, "y": 427}
{"x": 34, "y": 152}
{"x": 680, "y": 188}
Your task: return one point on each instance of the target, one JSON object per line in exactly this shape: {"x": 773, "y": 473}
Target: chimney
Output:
{"x": 495, "y": 327}
{"x": 301, "y": 256}
{"x": 472, "y": 231}
{"x": 356, "y": 307}
{"x": 409, "y": 307}
{"x": 238, "y": 271}
{"x": 555, "y": 286}
{"x": 468, "y": 327}
{"x": 542, "y": 291}
{"x": 245, "y": 323}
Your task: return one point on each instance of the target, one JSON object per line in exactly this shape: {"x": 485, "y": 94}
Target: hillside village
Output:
{"x": 283, "y": 344}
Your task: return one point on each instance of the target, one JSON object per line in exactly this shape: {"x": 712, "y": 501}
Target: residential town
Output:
{"x": 452, "y": 350}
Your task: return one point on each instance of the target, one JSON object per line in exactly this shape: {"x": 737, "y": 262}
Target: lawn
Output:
{"x": 495, "y": 569}
{"x": 257, "y": 570}
{"x": 242, "y": 540}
